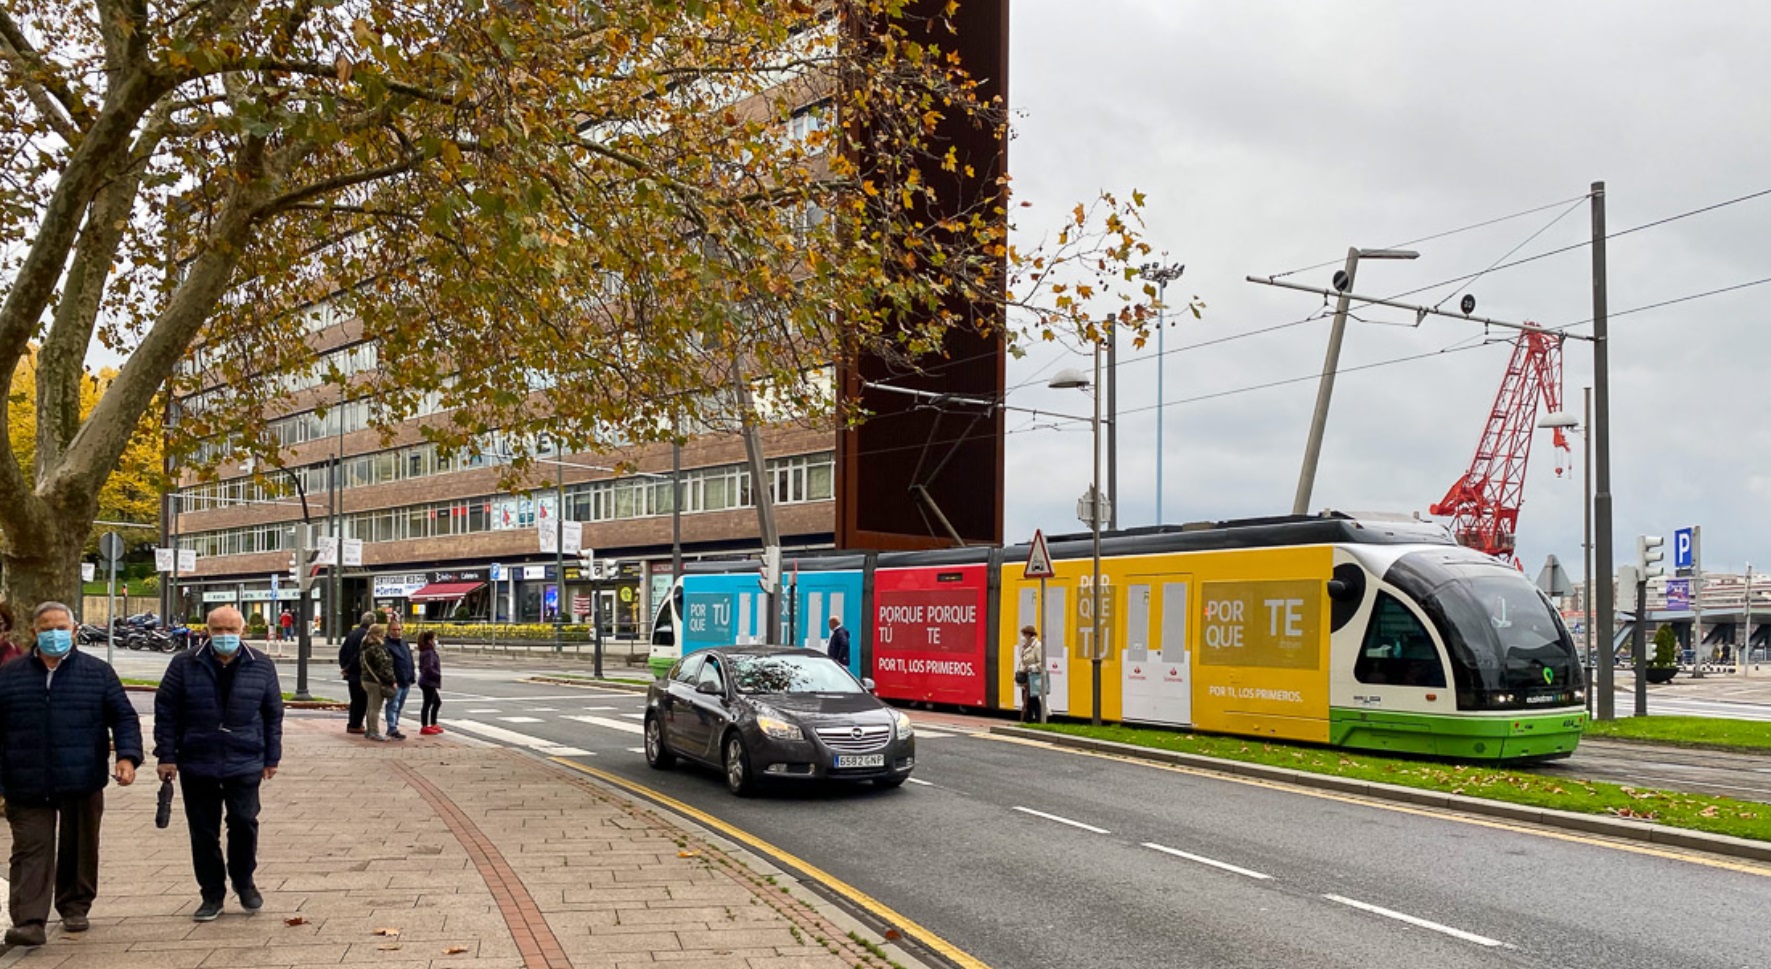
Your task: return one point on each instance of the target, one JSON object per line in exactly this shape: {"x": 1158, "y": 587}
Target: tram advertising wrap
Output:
{"x": 1263, "y": 655}
{"x": 929, "y": 634}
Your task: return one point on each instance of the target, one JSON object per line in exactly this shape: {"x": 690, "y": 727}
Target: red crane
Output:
{"x": 1484, "y": 504}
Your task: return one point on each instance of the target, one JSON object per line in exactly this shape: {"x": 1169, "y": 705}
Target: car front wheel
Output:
{"x": 738, "y": 776}
{"x": 657, "y": 754}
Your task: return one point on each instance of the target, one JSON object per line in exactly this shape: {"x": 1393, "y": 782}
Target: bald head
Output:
{"x": 226, "y": 620}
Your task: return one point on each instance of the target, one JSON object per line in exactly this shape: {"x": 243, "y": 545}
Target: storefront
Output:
{"x": 443, "y": 595}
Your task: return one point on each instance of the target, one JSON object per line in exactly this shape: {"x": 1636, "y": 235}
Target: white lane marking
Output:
{"x": 915, "y": 780}
{"x": 931, "y": 734}
{"x": 599, "y": 709}
{"x": 611, "y": 723}
{"x": 1226, "y": 866}
{"x": 1417, "y": 922}
{"x": 636, "y": 716}
{"x": 543, "y": 710}
{"x": 520, "y": 719}
{"x": 516, "y": 739}
{"x": 486, "y": 710}
{"x": 636, "y": 750}
{"x": 1062, "y": 820}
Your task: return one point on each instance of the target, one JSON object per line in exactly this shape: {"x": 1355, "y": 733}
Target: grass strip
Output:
{"x": 1687, "y": 731}
{"x": 133, "y": 681}
{"x": 1697, "y": 812}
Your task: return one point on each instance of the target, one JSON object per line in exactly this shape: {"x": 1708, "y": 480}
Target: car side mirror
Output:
{"x": 868, "y": 684}
{"x": 710, "y": 689}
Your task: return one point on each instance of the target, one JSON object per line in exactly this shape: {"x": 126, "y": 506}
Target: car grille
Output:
{"x": 855, "y": 740}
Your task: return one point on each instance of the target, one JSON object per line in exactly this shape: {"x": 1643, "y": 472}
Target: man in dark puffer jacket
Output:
{"x": 60, "y": 713}
{"x": 218, "y": 728}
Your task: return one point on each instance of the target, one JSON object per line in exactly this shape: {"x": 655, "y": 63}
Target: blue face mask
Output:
{"x": 226, "y": 644}
{"x": 55, "y": 643}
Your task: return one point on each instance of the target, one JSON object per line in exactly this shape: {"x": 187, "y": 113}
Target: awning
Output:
{"x": 444, "y": 591}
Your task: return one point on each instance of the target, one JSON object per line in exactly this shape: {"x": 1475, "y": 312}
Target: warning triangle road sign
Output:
{"x": 1039, "y": 559}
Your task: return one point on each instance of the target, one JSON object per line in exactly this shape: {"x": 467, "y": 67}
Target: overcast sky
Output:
{"x": 1271, "y": 136}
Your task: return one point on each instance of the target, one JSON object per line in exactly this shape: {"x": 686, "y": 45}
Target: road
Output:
{"x": 1024, "y": 855}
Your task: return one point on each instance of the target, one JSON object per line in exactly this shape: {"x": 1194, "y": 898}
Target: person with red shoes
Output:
{"x": 430, "y": 680}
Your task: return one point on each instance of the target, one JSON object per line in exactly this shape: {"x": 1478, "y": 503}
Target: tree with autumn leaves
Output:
{"x": 621, "y": 202}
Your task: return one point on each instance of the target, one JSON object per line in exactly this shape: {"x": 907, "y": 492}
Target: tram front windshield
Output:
{"x": 1509, "y": 648}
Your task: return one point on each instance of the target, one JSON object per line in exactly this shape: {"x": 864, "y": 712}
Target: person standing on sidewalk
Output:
{"x": 61, "y": 713}
{"x": 1030, "y": 672}
{"x": 838, "y": 647}
{"x": 286, "y": 624}
{"x": 378, "y": 679}
{"x": 430, "y": 680}
{"x": 9, "y": 648}
{"x": 403, "y": 675}
{"x": 218, "y": 729}
{"x": 352, "y": 668}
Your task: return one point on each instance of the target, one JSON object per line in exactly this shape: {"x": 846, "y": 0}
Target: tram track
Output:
{"x": 1725, "y": 773}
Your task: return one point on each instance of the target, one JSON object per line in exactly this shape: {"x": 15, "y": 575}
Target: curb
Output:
{"x": 287, "y": 704}
{"x": 1720, "y": 844}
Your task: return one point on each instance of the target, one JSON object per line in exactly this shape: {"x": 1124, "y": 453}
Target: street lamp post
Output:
{"x": 1068, "y": 379}
{"x": 1162, "y": 276}
{"x": 1343, "y": 281}
{"x": 303, "y": 621}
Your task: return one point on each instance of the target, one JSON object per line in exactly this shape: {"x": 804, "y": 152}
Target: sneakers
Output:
{"x": 26, "y": 935}
{"x": 250, "y": 899}
{"x": 75, "y": 923}
{"x": 431, "y": 731}
{"x": 378, "y": 738}
{"x": 395, "y": 735}
{"x": 207, "y": 912}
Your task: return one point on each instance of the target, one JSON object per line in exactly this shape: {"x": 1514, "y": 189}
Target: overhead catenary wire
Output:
{"x": 1449, "y": 232}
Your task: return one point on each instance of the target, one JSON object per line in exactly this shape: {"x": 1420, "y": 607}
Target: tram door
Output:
{"x": 1057, "y": 647}
{"x": 1156, "y": 684}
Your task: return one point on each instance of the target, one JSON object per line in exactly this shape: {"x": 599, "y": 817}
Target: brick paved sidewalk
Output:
{"x": 433, "y": 854}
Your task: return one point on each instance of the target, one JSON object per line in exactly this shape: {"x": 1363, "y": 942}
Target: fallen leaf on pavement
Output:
{"x": 390, "y": 932}
{"x": 295, "y": 920}
{"x": 455, "y": 950}
{"x": 391, "y": 946}
{"x": 687, "y": 854}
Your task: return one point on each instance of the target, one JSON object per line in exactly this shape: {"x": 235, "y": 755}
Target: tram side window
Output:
{"x": 1398, "y": 650}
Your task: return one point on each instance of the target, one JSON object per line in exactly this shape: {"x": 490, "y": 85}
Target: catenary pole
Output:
{"x": 1300, "y": 503}
{"x": 1603, "y": 566}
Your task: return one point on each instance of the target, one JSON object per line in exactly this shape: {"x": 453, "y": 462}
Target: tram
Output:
{"x": 1377, "y": 635}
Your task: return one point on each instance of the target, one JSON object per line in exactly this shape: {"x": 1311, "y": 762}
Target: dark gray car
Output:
{"x": 767, "y": 712}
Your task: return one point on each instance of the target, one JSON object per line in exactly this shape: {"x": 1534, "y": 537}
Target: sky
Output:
{"x": 1272, "y": 136}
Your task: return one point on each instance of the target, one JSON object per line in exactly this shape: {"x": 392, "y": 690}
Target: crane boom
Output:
{"x": 1484, "y": 503}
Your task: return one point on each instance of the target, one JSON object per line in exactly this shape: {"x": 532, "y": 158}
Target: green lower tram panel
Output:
{"x": 1472, "y": 737}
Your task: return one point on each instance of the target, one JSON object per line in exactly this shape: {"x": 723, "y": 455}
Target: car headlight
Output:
{"x": 906, "y": 729}
{"x": 778, "y": 729}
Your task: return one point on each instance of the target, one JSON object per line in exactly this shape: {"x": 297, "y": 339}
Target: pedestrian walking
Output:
{"x": 404, "y": 675}
{"x": 430, "y": 681}
{"x": 286, "y": 622}
{"x": 1030, "y": 673}
{"x": 218, "y": 730}
{"x": 378, "y": 679}
{"x": 9, "y": 645}
{"x": 61, "y": 714}
{"x": 838, "y": 646}
{"x": 350, "y": 665}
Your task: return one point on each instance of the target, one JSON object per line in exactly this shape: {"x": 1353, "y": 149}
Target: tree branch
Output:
{"x": 47, "y": 89}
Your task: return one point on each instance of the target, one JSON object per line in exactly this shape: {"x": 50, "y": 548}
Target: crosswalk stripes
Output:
{"x": 609, "y": 722}
{"x": 515, "y": 739}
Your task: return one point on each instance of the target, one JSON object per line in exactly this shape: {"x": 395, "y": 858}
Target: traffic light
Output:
{"x": 304, "y": 561}
{"x": 1649, "y": 555}
{"x": 769, "y": 575}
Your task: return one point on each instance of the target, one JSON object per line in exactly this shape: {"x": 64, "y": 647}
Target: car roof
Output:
{"x": 761, "y": 651}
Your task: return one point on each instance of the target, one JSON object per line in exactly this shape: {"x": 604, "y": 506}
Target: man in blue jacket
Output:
{"x": 404, "y": 675}
{"x": 218, "y": 728}
{"x": 839, "y": 642}
{"x": 61, "y": 712}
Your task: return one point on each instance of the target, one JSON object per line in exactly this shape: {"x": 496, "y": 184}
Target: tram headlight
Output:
{"x": 1500, "y": 699}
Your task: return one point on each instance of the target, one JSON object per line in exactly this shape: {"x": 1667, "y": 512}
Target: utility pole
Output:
{"x": 304, "y": 584}
{"x": 763, "y": 495}
{"x": 1163, "y": 275}
{"x": 1112, "y": 425}
{"x": 1587, "y": 547}
{"x": 559, "y": 545}
{"x": 1697, "y": 602}
{"x": 1601, "y": 431}
{"x": 1746, "y": 641}
{"x": 1639, "y": 643}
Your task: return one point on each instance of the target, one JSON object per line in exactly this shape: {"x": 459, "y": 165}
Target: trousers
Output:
{"x": 372, "y": 718}
{"x": 359, "y": 702}
{"x": 395, "y": 705}
{"x": 54, "y": 848}
{"x": 433, "y": 703}
{"x": 205, "y": 800}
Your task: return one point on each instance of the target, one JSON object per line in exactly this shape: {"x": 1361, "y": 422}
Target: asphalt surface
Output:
{"x": 1024, "y": 855}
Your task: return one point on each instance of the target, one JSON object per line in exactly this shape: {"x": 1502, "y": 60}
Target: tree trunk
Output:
{"x": 44, "y": 571}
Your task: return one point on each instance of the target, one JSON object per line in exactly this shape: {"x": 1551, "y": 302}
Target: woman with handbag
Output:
{"x": 378, "y": 678}
{"x": 1030, "y": 672}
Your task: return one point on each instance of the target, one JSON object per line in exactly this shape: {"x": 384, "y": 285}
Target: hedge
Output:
{"x": 497, "y": 632}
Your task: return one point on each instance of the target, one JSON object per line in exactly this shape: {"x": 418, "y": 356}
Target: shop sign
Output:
{"x": 534, "y": 572}
{"x": 459, "y": 575}
{"x": 398, "y": 586}
{"x": 220, "y": 595}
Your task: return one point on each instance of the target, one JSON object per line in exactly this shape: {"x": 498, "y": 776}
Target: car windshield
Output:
{"x": 810, "y": 673}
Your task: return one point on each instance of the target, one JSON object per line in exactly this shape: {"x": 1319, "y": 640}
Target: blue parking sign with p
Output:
{"x": 1684, "y": 548}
